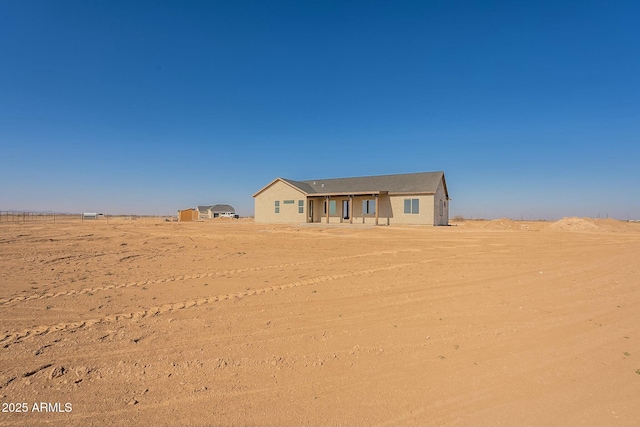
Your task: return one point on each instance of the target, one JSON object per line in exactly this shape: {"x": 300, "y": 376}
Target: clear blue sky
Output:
{"x": 532, "y": 108}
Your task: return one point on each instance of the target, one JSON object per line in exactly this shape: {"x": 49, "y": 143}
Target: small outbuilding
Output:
{"x": 188, "y": 215}
{"x": 413, "y": 198}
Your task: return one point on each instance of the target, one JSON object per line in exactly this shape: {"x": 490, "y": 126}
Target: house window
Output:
{"x": 332, "y": 207}
{"x": 411, "y": 206}
{"x": 277, "y": 206}
{"x": 300, "y": 206}
{"x": 368, "y": 207}
{"x": 289, "y": 202}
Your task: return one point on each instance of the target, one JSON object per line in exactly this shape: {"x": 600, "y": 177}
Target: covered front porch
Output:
{"x": 349, "y": 208}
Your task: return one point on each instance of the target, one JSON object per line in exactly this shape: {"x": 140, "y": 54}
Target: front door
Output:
{"x": 310, "y": 210}
{"x": 345, "y": 209}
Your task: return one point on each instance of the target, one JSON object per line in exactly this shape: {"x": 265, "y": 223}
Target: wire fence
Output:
{"x": 23, "y": 217}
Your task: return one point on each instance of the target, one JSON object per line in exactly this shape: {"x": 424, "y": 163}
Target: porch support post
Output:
{"x": 377, "y": 208}
{"x": 350, "y": 209}
{"x": 327, "y": 200}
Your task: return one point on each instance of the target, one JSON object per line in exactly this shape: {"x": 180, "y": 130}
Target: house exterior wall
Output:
{"x": 386, "y": 211}
{"x": 320, "y": 214}
{"x": 338, "y": 217}
{"x": 289, "y": 213}
{"x": 382, "y": 206}
{"x": 440, "y": 206}
{"x": 425, "y": 209}
{"x": 390, "y": 210}
{"x": 316, "y": 214}
{"x": 356, "y": 213}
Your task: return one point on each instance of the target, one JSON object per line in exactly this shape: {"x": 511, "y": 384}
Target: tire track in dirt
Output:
{"x": 17, "y": 337}
{"x": 76, "y": 257}
{"x": 192, "y": 276}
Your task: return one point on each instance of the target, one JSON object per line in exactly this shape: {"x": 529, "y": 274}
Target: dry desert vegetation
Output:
{"x": 234, "y": 323}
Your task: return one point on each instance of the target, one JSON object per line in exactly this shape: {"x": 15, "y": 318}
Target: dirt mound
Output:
{"x": 589, "y": 224}
{"x": 576, "y": 224}
{"x": 505, "y": 224}
{"x": 616, "y": 225}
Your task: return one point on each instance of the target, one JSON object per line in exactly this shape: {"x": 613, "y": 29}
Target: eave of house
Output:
{"x": 348, "y": 193}
{"x": 412, "y": 193}
{"x": 276, "y": 180}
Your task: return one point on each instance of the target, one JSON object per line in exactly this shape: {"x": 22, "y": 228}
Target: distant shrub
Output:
{"x": 458, "y": 218}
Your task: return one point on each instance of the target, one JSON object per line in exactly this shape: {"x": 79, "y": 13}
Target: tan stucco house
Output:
{"x": 412, "y": 198}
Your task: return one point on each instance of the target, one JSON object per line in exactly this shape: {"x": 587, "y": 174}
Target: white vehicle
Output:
{"x": 229, "y": 215}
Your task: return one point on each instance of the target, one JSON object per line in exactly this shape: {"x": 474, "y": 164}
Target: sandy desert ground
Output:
{"x": 234, "y": 323}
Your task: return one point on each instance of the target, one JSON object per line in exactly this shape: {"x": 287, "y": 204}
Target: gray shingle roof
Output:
{"x": 216, "y": 208}
{"x": 422, "y": 182}
{"x": 222, "y": 208}
{"x": 301, "y": 185}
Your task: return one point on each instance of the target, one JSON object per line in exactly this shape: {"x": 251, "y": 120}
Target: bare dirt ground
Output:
{"x": 234, "y": 323}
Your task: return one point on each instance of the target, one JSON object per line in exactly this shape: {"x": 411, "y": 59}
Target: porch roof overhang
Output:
{"x": 349, "y": 193}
